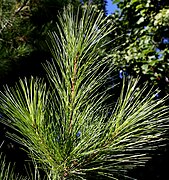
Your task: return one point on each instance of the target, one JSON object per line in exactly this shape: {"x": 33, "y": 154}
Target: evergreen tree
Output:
{"x": 65, "y": 126}
{"x": 24, "y": 25}
{"x": 23, "y": 30}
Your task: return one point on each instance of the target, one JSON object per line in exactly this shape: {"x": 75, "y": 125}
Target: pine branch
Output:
{"x": 67, "y": 128}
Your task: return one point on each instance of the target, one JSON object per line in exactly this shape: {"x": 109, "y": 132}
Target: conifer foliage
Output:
{"x": 23, "y": 28}
{"x": 65, "y": 126}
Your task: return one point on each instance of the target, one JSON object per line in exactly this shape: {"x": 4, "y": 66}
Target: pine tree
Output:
{"x": 24, "y": 26}
{"x": 65, "y": 126}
